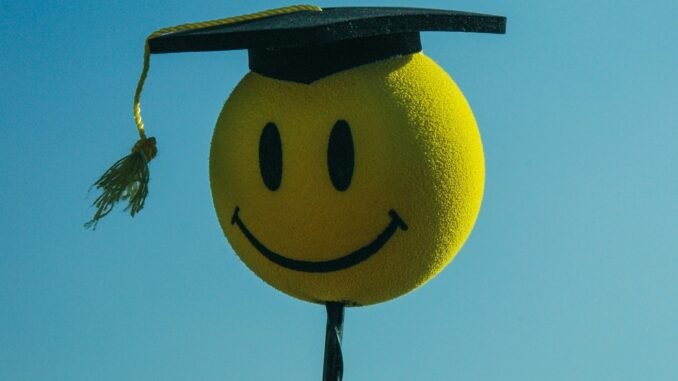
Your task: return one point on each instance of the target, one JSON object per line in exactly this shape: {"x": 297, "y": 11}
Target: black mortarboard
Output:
{"x": 307, "y": 45}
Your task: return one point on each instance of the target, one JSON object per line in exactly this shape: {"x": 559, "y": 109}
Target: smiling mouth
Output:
{"x": 337, "y": 264}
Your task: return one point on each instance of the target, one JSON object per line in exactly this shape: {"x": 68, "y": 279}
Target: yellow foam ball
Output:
{"x": 356, "y": 188}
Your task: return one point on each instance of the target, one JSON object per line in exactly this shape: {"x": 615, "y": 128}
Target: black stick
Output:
{"x": 333, "y": 370}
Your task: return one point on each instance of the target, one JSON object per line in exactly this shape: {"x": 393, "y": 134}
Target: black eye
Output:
{"x": 340, "y": 155}
{"x": 270, "y": 156}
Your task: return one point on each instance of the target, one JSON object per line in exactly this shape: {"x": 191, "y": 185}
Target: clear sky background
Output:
{"x": 571, "y": 272}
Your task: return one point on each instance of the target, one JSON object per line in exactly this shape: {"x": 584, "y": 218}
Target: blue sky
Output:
{"x": 570, "y": 273}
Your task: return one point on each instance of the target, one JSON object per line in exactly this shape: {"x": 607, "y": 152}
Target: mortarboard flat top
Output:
{"x": 305, "y": 46}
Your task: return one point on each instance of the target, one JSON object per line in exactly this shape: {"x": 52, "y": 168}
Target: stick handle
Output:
{"x": 333, "y": 369}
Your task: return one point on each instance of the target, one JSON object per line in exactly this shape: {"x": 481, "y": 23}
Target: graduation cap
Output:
{"x": 305, "y": 46}
{"x": 300, "y": 43}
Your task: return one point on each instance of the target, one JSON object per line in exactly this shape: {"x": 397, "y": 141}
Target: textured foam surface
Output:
{"x": 416, "y": 151}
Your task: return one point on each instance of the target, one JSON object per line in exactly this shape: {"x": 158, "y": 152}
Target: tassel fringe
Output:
{"x": 126, "y": 180}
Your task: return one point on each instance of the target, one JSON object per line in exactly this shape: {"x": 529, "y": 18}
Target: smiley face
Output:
{"x": 331, "y": 265}
{"x": 356, "y": 188}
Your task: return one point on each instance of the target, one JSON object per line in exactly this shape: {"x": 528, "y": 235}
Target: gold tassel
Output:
{"x": 126, "y": 180}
